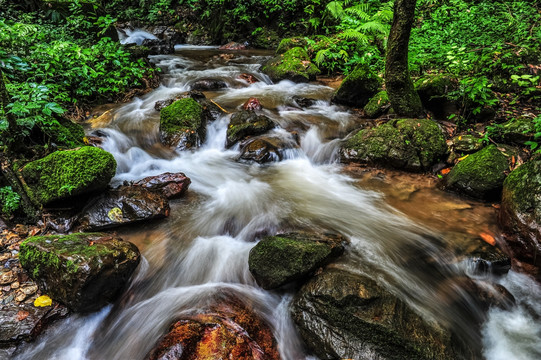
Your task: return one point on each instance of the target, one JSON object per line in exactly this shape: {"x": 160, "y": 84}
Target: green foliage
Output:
{"x": 10, "y": 201}
{"x": 534, "y": 144}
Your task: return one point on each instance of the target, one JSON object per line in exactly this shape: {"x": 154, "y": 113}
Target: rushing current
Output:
{"x": 202, "y": 249}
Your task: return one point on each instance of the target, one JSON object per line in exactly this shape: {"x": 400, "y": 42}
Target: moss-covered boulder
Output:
{"x": 377, "y": 105}
{"x": 434, "y": 92}
{"x": 278, "y": 260}
{"x": 63, "y": 133}
{"x": 65, "y": 174}
{"x": 183, "y": 124}
{"x": 84, "y": 271}
{"x": 294, "y": 65}
{"x": 520, "y": 215}
{"x": 409, "y": 144}
{"x": 246, "y": 123}
{"x": 341, "y": 315}
{"x": 481, "y": 175}
{"x": 514, "y": 131}
{"x": 358, "y": 87}
{"x": 289, "y": 43}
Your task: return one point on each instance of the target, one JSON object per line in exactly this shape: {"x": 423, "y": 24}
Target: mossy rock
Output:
{"x": 467, "y": 144}
{"x": 63, "y": 132}
{"x": 65, "y": 174}
{"x": 481, "y": 175}
{"x": 278, "y": 260}
{"x": 265, "y": 39}
{"x": 408, "y": 144}
{"x": 294, "y": 65}
{"x": 246, "y": 123}
{"x": 520, "y": 214}
{"x": 377, "y": 105}
{"x": 289, "y": 43}
{"x": 358, "y": 87}
{"x": 515, "y": 131}
{"x": 434, "y": 93}
{"x": 344, "y": 315}
{"x": 183, "y": 124}
{"x": 84, "y": 271}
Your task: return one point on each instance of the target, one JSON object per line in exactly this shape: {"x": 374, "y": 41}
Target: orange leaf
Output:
{"x": 488, "y": 238}
{"x": 445, "y": 171}
{"x": 21, "y": 315}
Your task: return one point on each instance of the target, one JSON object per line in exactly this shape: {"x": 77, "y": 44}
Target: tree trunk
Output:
{"x": 404, "y": 99}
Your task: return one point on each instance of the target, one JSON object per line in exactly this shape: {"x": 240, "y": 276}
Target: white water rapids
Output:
{"x": 202, "y": 249}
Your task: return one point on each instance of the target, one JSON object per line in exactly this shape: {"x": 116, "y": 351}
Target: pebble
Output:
{"x": 15, "y": 285}
{"x": 20, "y": 296}
{"x": 5, "y": 256}
{"x": 29, "y": 290}
{"x": 7, "y": 277}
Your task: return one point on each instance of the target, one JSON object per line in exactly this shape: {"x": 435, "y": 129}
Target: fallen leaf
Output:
{"x": 488, "y": 238}
{"x": 21, "y": 315}
{"x": 462, "y": 158}
{"x": 43, "y": 300}
{"x": 445, "y": 171}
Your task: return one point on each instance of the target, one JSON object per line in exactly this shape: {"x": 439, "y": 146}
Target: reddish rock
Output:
{"x": 230, "y": 330}
{"x": 252, "y": 104}
{"x": 172, "y": 185}
{"x": 250, "y": 79}
{"x": 233, "y": 46}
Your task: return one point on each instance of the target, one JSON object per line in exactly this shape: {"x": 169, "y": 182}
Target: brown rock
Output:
{"x": 8, "y": 277}
{"x": 250, "y": 79}
{"x": 233, "y": 46}
{"x": 172, "y": 185}
{"x": 252, "y": 104}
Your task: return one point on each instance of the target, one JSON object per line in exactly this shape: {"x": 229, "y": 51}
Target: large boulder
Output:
{"x": 124, "y": 205}
{"x": 358, "y": 87}
{"x": 515, "y": 131}
{"x": 226, "y": 330}
{"x": 83, "y": 271}
{"x": 294, "y": 65}
{"x": 183, "y": 124}
{"x": 65, "y": 174}
{"x": 434, "y": 91}
{"x": 246, "y": 123}
{"x": 278, "y": 260}
{"x": 172, "y": 185}
{"x": 341, "y": 315}
{"x": 520, "y": 215}
{"x": 377, "y": 105}
{"x": 409, "y": 144}
{"x": 481, "y": 174}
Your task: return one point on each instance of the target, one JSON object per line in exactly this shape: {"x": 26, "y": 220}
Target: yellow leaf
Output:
{"x": 43, "y": 300}
{"x": 462, "y": 158}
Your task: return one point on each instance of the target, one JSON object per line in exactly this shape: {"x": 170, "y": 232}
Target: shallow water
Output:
{"x": 394, "y": 222}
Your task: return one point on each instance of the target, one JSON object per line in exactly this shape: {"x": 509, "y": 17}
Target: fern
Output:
{"x": 360, "y": 11}
{"x": 375, "y": 27}
{"x": 335, "y": 9}
{"x": 352, "y": 34}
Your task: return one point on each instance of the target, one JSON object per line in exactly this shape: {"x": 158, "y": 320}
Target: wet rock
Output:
{"x": 208, "y": 85}
{"x": 304, "y": 102}
{"x": 246, "y": 123}
{"x": 434, "y": 93}
{"x": 290, "y": 43}
{"x": 466, "y": 144}
{"x": 341, "y": 315}
{"x": 520, "y": 215}
{"x": 281, "y": 259}
{"x": 265, "y": 149}
{"x": 65, "y": 174}
{"x": 124, "y": 205}
{"x": 377, "y": 105}
{"x": 83, "y": 271}
{"x": 160, "y": 104}
{"x": 249, "y": 78}
{"x": 358, "y": 87}
{"x": 228, "y": 330}
{"x": 294, "y": 65}
{"x": 26, "y": 322}
{"x": 233, "y": 46}
{"x": 172, "y": 185}
{"x": 515, "y": 131}
{"x": 183, "y": 124}
{"x": 409, "y": 144}
{"x": 252, "y": 104}
{"x": 481, "y": 175}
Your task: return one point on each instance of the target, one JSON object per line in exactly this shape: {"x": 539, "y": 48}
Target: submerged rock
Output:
{"x": 294, "y": 65}
{"x": 481, "y": 174}
{"x": 520, "y": 215}
{"x": 183, "y": 124}
{"x": 82, "y": 271}
{"x": 278, "y": 260}
{"x": 246, "y": 123}
{"x": 172, "y": 185}
{"x": 409, "y": 144}
{"x": 65, "y": 174}
{"x": 208, "y": 84}
{"x": 265, "y": 149}
{"x": 249, "y": 78}
{"x": 358, "y": 87}
{"x": 226, "y": 330}
{"x": 125, "y": 205}
{"x": 341, "y": 315}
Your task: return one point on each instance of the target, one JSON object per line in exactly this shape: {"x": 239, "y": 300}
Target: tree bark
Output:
{"x": 404, "y": 99}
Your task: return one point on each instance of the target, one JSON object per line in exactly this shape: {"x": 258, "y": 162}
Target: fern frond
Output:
{"x": 352, "y": 34}
{"x": 375, "y": 27}
{"x": 320, "y": 56}
{"x": 360, "y": 11}
{"x": 335, "y": 9}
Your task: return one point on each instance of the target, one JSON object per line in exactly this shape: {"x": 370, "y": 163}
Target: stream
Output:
{"x": 393, "y": 221}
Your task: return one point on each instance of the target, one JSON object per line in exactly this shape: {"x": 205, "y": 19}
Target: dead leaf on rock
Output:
{"x": 21, "y": 315}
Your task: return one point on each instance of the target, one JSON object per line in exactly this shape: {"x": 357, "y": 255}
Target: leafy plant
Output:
{"x": 534, "y": 144}
{"x": 10, "y": 201}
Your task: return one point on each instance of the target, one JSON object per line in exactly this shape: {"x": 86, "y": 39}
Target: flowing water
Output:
{"x": 402, "y": 231}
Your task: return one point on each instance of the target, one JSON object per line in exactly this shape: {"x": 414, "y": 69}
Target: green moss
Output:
{"x": 427, "y": 139}
{"x": 482, "y": 174}
{"x": 294, "y": 65}
{"x": 377, "y": 105}
{"x": 181, "y": 116}
{"x": 64, "y": 133}
{"x": 68, "y": 173}
{"x": 358, "y": 87}
{"x": 523, "y": 186}
{"x": 289, "y": 43}
{"x": 265, "y": 39}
